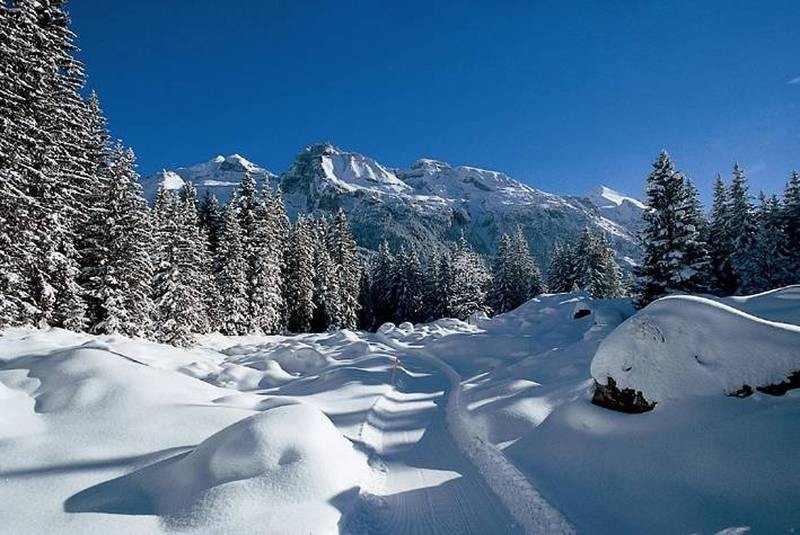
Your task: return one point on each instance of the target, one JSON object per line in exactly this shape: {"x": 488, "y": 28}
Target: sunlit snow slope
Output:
{"x": 449, "y": 427}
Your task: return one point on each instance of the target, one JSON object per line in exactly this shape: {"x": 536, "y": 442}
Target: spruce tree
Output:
{"x": 300, "y": 277}
{"x": 264, "y": 278}
{"x": 741, "y": 225}
{"x": 791, "y": 227}
{"x": 173, "y": 295}
{"x": 670, "y": 237}
{"x": 382, "y": 270}
{"x": 561, "y": 271}
{"x": 407, "y": 286}
{"x": 231, "y": 276}
{"x": 720, "y": 242}
{"x": 120, "y": 280}
{"x": 769, "y": 258}
{"x": 516, "y": 277}
{"x": 210, "y": 218}
{"x": 345, "y": 256}
{"x": 327, "y": 295}
{"x": 468, "y": 282}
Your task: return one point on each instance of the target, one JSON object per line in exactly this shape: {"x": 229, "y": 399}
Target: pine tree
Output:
{"x": 769, "y": 259}
{"x": 516, "y": 277}
{"x": 327, "y": 296}
{"x": 382, "y": 270}
{"x": 741, "y": 225}
{"x": 265, "y": 281}
{"x": 193, "y": 259}
{"x": 670, "y": 238}
{"x": 348, "y": 270}
{"x": 210, "y": 217}
{"x": 406, "y": 286}
{"x": 172, "y": 292}
{"x": 469, "y": 282}
{"x": 300, "y": 277}
{"x": 720, "y": 242}
{"x": 120, "y": 280}
{"x": 791, "y": 228}
{"x": 560, "y": 272}
{"x": 231, "y": 276}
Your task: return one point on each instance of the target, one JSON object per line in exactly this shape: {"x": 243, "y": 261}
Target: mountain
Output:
{"x": 427, "y": 204}
{"x": 220, "y": 175}
{"x": 617, "y": 207}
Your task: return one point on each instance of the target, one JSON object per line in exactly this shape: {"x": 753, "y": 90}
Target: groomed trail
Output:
{"x": 430, "y": 473}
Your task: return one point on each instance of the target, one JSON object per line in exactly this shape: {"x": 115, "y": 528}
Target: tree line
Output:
{"x": 740, "y": 248}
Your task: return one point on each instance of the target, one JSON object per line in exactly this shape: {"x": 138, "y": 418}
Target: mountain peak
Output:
{"x": 605, "y": 197}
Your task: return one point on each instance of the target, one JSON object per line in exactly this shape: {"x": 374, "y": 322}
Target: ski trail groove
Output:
{"x": 529, "y": 508}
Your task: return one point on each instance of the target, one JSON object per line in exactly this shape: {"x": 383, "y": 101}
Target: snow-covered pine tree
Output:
{"x": 279, "y": 221}
{"x": 501, "y": 292}
{"x": 120, "y": 280}
{"x": 173, "y": 295}
{"x": 468, "y": 282}
{"x": 516, "y": 277}
{"x": 698, "y": 272}
{"x": 741, "y": 225}
{"x": 92, "y": 238}
{"x": 51, "y": 159}
{"x": 265, "y": 280}
{"x": 407, "y": 286}
{"x": 769, "y": 258}
{"x": 327, "y": 296}
{"x": 230, "y": 271}
{"x": 382, "y": 270}
{"x": 669, "y": 237}
{"x": 300, "y": 277}
{"x": 561, "y": 271}
{"x": 344, "y": 254}
{"x": 366, "y": 315}
{"x": 590, "y": 265}
{"x": 442, "y": 285}
{"x": 611, "y": 285}
{"x": 193, "y": 259}
{"x": 210, "y": 218}
{"x": 791, "y": 227}
{"x": 720, "y": 242}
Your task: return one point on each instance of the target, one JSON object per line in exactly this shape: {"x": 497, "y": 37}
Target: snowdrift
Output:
{"x": 681, "y": 346}
{"x": 289, "y": 458}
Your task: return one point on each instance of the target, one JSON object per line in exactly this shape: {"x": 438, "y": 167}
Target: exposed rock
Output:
{"x": 775, "y": 389}
{"x": 625, "y": 400}
{"x": 581, "y": 313}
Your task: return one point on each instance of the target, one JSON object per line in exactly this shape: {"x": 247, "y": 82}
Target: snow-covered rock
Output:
{"x": 683, "y": 346}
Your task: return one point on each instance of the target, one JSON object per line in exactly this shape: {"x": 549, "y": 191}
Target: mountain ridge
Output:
{"x": 429, "y": 203}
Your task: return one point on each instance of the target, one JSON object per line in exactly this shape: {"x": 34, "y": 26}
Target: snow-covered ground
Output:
{"x": 449, "y": 427}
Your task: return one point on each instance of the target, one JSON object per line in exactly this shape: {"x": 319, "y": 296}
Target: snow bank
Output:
{"x": 682, "y": 346}
{"x": 277, "y": 469}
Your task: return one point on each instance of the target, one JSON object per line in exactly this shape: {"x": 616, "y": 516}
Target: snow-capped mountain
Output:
{"x": 221, "y": 175}
{"x": 429, "y": 203}
{"x": 617, "y": 207}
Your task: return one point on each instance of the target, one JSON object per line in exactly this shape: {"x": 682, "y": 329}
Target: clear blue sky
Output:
{"x": 562, "y": 95}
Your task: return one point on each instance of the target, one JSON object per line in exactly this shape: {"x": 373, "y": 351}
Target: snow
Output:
{"x": 606, "y": 197}
{"x": 682, "y": 346}
{"x": 483, "y": 426}
{"x": 423, "y": 203}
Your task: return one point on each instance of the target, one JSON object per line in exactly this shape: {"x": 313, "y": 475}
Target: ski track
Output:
{"x": 421, "y": 482}
{"x": 530, "y": 510}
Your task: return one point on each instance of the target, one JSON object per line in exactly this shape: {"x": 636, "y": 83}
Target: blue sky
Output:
{"x": 561, "y": 95}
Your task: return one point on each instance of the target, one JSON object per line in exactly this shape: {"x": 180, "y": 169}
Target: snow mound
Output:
{"x": 290, "y": 456}
{"x": 682, "y": 346}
